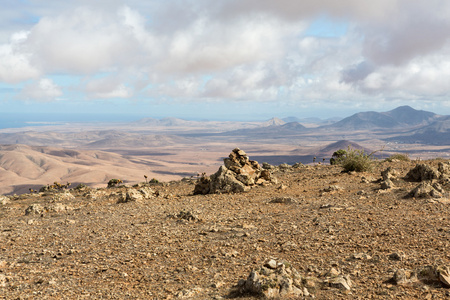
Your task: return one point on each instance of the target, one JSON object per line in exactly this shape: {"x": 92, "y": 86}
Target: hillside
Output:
{"x": 403, "y": 116}
{"x": 24, "y": 167}
{"x": 339, "y": 235}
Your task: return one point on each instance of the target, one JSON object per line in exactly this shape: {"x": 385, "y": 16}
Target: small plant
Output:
{"x": 56, "y": 186}
{"x": 154, "y": 180}
{"x": 398, "y": 156}
{"x": 336, "y": 156}
{"x": 145, "y": 176}
{"x": 114, "y": 182}
{"x": 356, "y": 160}
{"x": 81, "y": 186}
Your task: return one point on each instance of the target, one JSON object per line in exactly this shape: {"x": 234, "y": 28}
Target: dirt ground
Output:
{"x": 86, "y": 245}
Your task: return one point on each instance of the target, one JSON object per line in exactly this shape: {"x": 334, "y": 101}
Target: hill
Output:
{"x": 403, "y": 116}
{"x": 316, "y": 234}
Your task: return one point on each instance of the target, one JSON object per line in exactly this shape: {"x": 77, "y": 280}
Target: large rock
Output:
{"x": 426, "y": 190}
{"x": 238, "y": 174}
{"x": 423, "y": 172}
{"x": 274, "y": 280}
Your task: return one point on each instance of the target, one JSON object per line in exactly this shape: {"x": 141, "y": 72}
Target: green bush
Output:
{"x": 356, "y": 160}
{"x": 114, "y": 182}
{"x": 334, "y": 160}
{"x": 398, "y": 156}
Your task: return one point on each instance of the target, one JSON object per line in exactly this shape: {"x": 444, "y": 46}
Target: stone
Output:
{"x": 397, "y": 256}
{"x": 389, "y": 173}
{"x": 64, "y": 196}
{"x": 133, "y": 195}
{"x": 423, "y": 172}
{"x": 34, "y": 209}
{"x": 4, "y": 200}
{"x": 387, "y": 184}
{"x": 340, "y": 282}
{"x": 187, "y": 215}
{"x": 238, "y": 174}
{"x": 425, "y": 189}
{"x": 58, "y": 207}
{"x": 283, "y": 200}
{"x": 274, "y": 280}
{"x": 3, "y": 280}
{"x": 403, "y": 276}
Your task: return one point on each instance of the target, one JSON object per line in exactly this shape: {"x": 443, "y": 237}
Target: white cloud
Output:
{"x": 236, "y": 49}
{"x": 15, "y": 64}
{"x": 42, "y": 90}
{"x": 109, "y": 87}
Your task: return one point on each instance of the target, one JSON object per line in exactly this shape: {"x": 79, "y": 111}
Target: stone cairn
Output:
{"x": 239, "y": 174}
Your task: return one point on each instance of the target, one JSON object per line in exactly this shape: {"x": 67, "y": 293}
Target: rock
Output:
{"x": 34, "y": 209}
{"x": 389, "y": 173}
{"x": 3, "y": 280}
{"x": 187, "y": 215}
{"x": 425, "y": 189}
{"x": 438, "y": 275}
{"x": 387, "y": 184}
{"x": 360, "y": 256}
{"x": 298, "y": 165}
{"x": 4, "y": 200}
{"x": 332, "y": 188}
{"x": 284, "y": 167}
{"x": 397, "y": 256}
{"x": 267, "y": 166}
{"x": 64, "y": 196}
{"x": 238, "y": 174}
{"x": 133, "y": 195}
{"x": 283, "y": 200}
{"x": 423, "y": 172}
{"x": 58, "y": 207}
{"x": 403, "y": 276}
{"x": 274, "y": 280}
{"x": 340, "y": 282}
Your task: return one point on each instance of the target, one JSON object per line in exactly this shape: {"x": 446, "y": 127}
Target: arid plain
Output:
{"x": 170, "y": 148}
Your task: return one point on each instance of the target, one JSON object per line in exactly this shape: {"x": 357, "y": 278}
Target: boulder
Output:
{"x": 273, "y": 280}
{"x": 133, "y": 195}
{"x": 426, "y": 190}
{"x": 238, "y": 174}
{"x": 423, "y": 172}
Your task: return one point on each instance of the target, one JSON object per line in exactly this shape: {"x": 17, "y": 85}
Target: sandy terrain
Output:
{"x": 84, "y": 244}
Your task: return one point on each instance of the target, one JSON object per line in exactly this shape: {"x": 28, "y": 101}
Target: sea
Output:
{"x": 12, "y": 120}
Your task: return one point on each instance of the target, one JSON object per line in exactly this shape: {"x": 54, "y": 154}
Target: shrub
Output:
{"x": 114, "y": 182}
{"x": 334, "y": 160}
{"x": 398, "y": 156}
{"x": 154, "y": 180}
{"x": 356, "y": 160}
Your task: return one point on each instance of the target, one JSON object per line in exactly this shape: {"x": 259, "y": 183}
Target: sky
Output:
{"x": 223, "y": 59}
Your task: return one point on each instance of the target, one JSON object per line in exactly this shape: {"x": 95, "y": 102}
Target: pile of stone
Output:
{"x": 435, "y": 275}
{"x": 136, "y": 195}
{"x": 429, "y": 179}
{"x": 278, "y": 280}
{"x": 388, "y": 175}
{"x": 239, "y": 174}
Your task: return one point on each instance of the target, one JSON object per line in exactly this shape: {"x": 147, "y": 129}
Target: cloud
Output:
{"x": 15, "y": 64}
{"x": 247, "y": 50}
{"x": 42, "y": 90}
{"x": 108, "y": 87}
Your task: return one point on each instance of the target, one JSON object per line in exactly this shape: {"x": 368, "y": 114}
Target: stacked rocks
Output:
{"x": 238, "y": 174}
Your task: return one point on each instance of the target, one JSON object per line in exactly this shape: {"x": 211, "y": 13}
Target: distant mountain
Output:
{"x": 162, "y": 122}
{"x": 437, "y": 133}
{"x": 403, "y": 116}
{"x": 273, "y": 122}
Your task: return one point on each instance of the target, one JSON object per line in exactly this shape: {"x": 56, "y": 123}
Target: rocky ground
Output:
{"x": 316, "y": 233}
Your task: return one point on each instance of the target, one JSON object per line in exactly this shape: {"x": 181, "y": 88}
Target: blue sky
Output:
{"x": 223, "y": 59}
